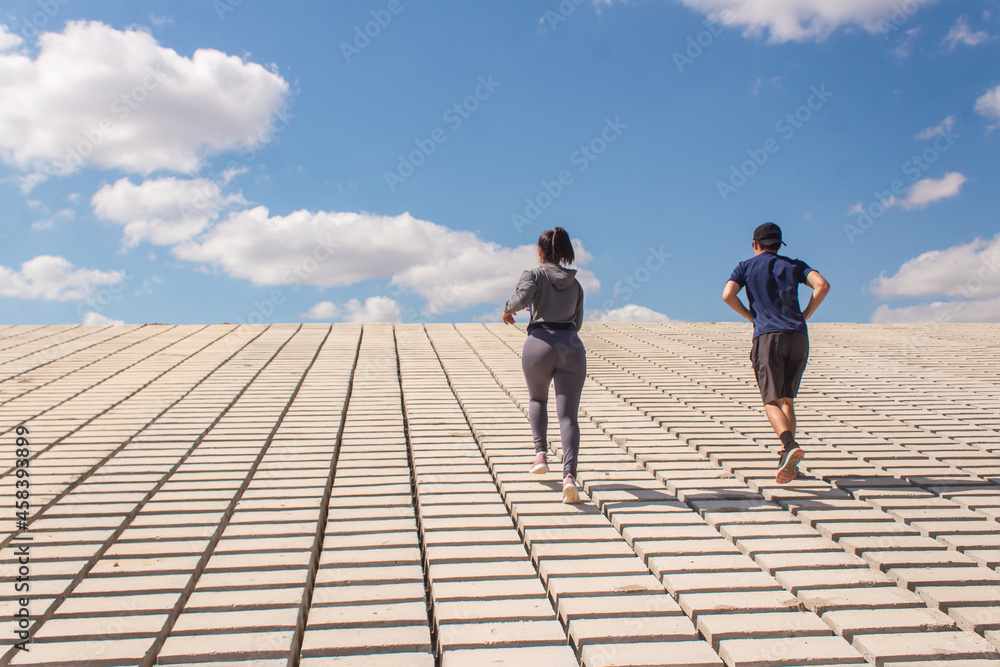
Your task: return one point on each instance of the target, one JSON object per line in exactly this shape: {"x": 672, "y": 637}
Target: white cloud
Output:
{"x": 374, "y": 309}
{"x": 760, "y": 83}
{"x": 475, "y": 272}
{"x": 803, "y": 20}
{"x": 8, "y": 40}
{"x": 464, "y": 271}
{"x": 904, "y": 49}
{"x": 324, "y": 310}
{"x": 160, "y": 21}
{"x": 92, "y": 319}
{"x": 51, "y": 219}
{"x": 968, "y": 275}
{"x": 52, "y": 278}
{"x": 923, "y": 193}
{"x": 449, "y": 269}
{"x": 147, "y": 286}
{"x": 232, "y": 172}
{"x": 163, "y": 211}
{"x": 60, "y": 216}
{"x": 961, "y": 33}
{"x": 94, "y": 95}
{"x": 970, "y": 271}
{"x": 627, "y": 313}
{"x": 926, "y": 192}
{"x": 494, "y": 315}
{"x": 989, "y": 104}
{"x": 938, "y": 130}
{"x": 29, "y": 181}
{"x": 976, "y": 310}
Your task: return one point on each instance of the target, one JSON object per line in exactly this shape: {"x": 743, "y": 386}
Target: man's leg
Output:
{"x": 781, "y": 414}
{"x": 789, "y": 409}
{"x": 768, "y": 357}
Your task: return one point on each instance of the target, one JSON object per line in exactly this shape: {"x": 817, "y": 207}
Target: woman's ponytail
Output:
{"x": 556, "y": 246}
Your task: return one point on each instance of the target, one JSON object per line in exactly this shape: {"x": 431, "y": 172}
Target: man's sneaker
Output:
{"x": 788, "y": 468}
{"x": 541, "y": 464}
{"x": 571, "y": 495}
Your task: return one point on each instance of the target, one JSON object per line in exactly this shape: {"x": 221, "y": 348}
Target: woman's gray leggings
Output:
{"x": 560, "y": 356}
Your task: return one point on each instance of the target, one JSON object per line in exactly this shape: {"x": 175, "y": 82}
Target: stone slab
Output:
{"x": 929, "y": 646}
{"x": 650, "y": 654}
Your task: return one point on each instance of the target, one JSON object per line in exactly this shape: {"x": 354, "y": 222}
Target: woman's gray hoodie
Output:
{"x": 554, "y": 294}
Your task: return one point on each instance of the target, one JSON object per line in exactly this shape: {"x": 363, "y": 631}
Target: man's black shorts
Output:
{"x": 779, "y": 359}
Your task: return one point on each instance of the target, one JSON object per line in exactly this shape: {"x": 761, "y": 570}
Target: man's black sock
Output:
{"x": 787, "y": 439}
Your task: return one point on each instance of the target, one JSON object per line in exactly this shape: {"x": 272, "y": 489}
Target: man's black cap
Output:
{"x": 768, "y": 234}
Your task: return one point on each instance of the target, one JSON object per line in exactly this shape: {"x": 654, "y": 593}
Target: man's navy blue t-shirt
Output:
{"x": 772, "y": 283}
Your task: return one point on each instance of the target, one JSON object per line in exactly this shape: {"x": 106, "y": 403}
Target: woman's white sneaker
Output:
{"x": 541, "y": 464}
{"x": 571, "y": 495}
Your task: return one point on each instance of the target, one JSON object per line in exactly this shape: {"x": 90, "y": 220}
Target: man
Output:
{"x": 780, "y": 338}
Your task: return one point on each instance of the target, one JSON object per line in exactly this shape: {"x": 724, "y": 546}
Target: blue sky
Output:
{"x": 200, "y": 162}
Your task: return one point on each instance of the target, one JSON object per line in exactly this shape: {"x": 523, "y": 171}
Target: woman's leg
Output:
{"x": 569, "y": 379}
{"x": 538, "y": 364}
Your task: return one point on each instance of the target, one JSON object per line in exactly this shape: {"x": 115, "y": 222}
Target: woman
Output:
{"x": 553, "y": 350}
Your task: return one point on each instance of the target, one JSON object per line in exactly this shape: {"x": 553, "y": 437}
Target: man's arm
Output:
{"x": 820, "y": 289}
{"x": 730, "y": 294}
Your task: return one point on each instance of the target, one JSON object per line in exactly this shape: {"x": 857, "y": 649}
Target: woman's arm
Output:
{"x": 523, "y": 294}
{"x": 578, "y": 316}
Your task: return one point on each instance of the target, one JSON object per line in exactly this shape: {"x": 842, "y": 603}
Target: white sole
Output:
{"x": 540, "y": 469}
{"x": 571, "y": 495}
